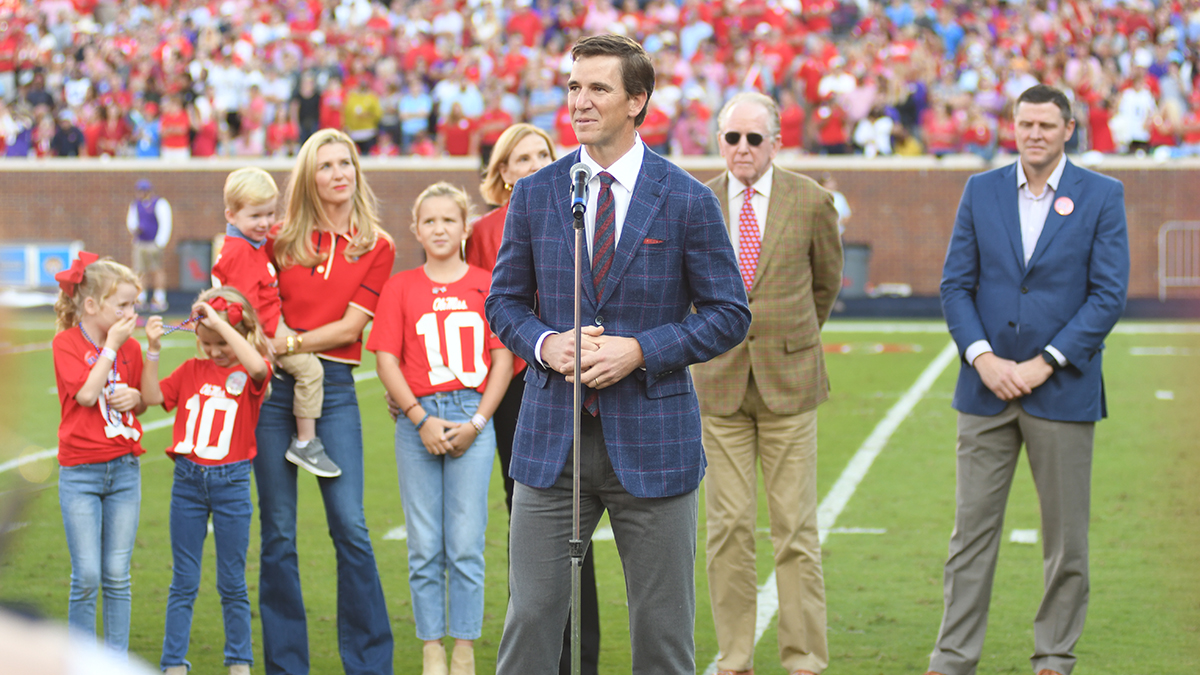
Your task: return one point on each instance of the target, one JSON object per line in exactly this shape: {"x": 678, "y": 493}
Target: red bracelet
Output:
{"x": 415, "y": 404}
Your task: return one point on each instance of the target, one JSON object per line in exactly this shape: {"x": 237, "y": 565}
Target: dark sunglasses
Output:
{"x": 732, "y": 138}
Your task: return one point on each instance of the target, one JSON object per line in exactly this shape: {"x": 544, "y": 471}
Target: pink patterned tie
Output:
{"x": 749, "y": 240}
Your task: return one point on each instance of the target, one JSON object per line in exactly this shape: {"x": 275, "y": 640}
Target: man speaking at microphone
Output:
{"x": 657, "y": 248}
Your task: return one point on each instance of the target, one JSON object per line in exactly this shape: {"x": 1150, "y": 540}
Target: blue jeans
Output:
{"x": 446, "y": 514}
{"x": 364, "y": 631}
{"x": 100, "y": 507}
{"x": 223, "y": 491}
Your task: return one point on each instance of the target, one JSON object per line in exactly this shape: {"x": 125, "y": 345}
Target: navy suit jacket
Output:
{"x": 674, "y": 255}
{"x": 1070, "y": 295}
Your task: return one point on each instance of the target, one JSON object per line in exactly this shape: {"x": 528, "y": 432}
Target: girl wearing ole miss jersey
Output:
{"x": 447, "y": 371}
{"x": 97, "y": 366}
{"x": 218, "y": 399}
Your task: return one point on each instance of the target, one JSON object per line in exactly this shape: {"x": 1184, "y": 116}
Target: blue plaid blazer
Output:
{"x": 674, "y": 256}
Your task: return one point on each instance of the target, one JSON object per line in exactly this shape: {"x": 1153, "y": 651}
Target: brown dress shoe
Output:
{"x": 736, "y": 672}
{"x": 932, "y": 672}
{"x": 1047, "y": 671}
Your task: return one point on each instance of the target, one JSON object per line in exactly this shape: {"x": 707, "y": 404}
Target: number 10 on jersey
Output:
{"x": 454, "y": 365}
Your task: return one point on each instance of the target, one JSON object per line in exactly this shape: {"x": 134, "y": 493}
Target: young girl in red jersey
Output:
{"x": 213, "y": 447}
{"x": 447, "y": 371}
{"x": 97, "y": 366}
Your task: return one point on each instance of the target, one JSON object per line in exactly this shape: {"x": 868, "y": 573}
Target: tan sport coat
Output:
{"x": 797, "y": 280}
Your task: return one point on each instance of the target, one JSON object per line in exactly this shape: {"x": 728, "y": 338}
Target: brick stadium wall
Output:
{"x": 904, "y": 209}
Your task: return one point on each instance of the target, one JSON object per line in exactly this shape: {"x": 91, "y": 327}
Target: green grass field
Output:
{"x": 882, "y": 561}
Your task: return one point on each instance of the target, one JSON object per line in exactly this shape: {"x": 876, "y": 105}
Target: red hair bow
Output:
{"x": 232, "y": 309}
{"x": 71, "y": 277}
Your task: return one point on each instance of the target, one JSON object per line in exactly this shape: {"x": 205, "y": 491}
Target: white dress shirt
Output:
{"x": 1033, "y": 211}
{"x": 737, "y": 195}
{"x": 625, "y": 174}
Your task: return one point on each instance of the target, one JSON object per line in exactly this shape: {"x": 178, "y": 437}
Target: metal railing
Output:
{"x": 1178, "y": 255}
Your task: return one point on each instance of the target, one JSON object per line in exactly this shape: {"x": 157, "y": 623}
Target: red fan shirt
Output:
{"x": 831, "y": 125}
{"x": 656, "y": 128}
{"x": 491, "y": 124}
{"x": 221, "y": 406}
{"x": 176, "y": 130}
{"x": 247, "y": 267}
{"x": 314, "y": 296}
{"x": 566, "y": 132}
{"x": 456, "y": 136}
{"x": 791, "y": 126}
{"x": 94, "y": 435}
{"x": 482, "y": 248}
{"x": 205, "y": 143}
{"x": 438, "y": 331}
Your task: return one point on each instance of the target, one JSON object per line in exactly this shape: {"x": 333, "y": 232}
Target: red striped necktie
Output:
{"x": 604, "y": 244}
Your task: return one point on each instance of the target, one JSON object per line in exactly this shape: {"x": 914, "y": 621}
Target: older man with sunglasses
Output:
{"x": 758, "y": 401}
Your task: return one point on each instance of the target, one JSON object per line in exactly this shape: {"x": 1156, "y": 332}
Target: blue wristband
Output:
{"x": 422, "y": 422}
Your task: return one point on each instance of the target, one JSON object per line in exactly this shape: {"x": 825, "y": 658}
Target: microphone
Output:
{"x": 580, "y": 175}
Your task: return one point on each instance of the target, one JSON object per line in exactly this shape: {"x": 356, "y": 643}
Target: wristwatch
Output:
{"x": 1049, "y": 358}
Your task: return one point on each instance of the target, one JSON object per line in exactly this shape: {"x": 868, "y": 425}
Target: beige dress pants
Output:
{"x": 787, "y": 447}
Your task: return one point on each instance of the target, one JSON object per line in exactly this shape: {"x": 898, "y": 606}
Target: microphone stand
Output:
{"x": 576, "y": 542}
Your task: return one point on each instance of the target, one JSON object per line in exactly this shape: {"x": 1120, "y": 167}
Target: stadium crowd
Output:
{"x": 202, "y": 78}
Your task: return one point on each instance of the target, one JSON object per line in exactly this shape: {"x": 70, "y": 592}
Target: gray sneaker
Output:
{"x": 313, "y": 459}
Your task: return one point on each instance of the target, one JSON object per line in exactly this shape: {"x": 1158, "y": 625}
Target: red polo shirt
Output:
{"x": 315, "y": 296}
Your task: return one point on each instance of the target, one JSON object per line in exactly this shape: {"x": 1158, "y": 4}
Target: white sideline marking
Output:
{"x": 53, "y": 452}
{"x": 1023, "y": 537}
{"x": 150, "y": 426}
{"x": 604, "y": 533}
{"x": 831, "y": 507}
{"x": 396, "y": 534}
{"x": 1164, "y": 395}
{"x": 857, "y": 530}
{"x": 1146, "y": 328}
{"x": 1159, "y": 351}
{"x": 7, "y": 349}
{"x": 934, "y": 326}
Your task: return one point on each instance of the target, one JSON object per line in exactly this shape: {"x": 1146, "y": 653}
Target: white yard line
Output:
{"x": 53, "y": 452}
{"x": 833, "y": 504}
{"x": 936, "y": 326}
{"x": 149, "y": 426}
{"x": 7, "y": 349}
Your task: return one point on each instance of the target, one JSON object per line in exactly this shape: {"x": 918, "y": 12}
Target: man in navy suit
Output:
{"x": 1035, "y": 278}
{"x": 657, "y": 250}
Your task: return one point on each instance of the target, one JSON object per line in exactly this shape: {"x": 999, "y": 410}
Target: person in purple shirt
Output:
{"x": 149, "y": 222}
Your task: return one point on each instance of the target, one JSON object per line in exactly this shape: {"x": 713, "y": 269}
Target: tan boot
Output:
{"x": 239, "y": 669}
{"x": 435, "y": 659}
{"x": 175, "y": 670}
{"x": 462, "y": 661}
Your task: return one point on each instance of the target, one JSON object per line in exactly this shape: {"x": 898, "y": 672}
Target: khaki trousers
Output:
{"x": 787, "y": 447}
{"x": 1060, "y": 458}
{"x": 309, "y": 391}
